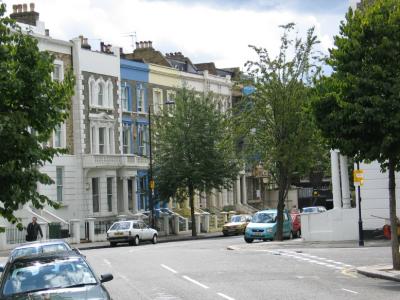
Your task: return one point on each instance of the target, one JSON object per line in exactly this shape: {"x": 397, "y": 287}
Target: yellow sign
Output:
{"x": 151, "y": 184}
{"x": 358, "y": 177}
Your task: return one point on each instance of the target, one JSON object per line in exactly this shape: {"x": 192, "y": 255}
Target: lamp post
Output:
{"x": 360, "y": 223}
{"x": 151, "y": 180}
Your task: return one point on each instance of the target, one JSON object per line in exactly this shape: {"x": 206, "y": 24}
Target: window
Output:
{"x": 59, "y": 183}
{"x": 110, "y": 140}
{"x": 126, "y": 138}
{"x": 57, "y": 75}
{"x": 109, "y": 193}
{"x": 100, "y": 95}
{"x": 95, "y": 194}
{"x": 58, "y": 135}
{"x": 170, "y": 96}
{"x": 94, "y": 150}
{"x": 92, "y": 91}
{"x": 130, "y": 194}
{"x": 102, "y": 139}
{"x": 110, "y": 95}
{"x": 142, "y": 139}
{"x": 125, "y": 98}
{"x": 157, "y": 101}
{"x": 140, "y": 98}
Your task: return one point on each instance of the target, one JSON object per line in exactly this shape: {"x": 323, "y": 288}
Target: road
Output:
{"x": 205, "y": 269}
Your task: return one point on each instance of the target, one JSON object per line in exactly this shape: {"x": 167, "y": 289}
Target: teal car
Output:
{"x": 263, "y": 226}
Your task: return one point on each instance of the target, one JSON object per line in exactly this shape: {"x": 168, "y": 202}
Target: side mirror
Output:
{"x": 106, "y": 277}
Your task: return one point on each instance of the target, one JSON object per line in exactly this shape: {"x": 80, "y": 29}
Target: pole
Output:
{"x": 151, "y": 204}
{"x": 360, "y": 224}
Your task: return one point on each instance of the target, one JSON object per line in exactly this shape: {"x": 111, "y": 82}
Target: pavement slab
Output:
{"x": 380, "y": 271}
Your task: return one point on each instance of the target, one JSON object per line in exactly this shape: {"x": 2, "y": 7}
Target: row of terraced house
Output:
{"x": 105, "y": 171}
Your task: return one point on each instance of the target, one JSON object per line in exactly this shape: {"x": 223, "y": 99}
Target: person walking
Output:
{"x": 33, "y": 230}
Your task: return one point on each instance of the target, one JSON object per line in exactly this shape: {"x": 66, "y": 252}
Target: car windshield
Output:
{"x": 121, "y": 226}
{"x": 236, "y": 219}
{"x": 45, "y": 274}
{"x": 309, "y": 209}
{"x": 264, "y": 218}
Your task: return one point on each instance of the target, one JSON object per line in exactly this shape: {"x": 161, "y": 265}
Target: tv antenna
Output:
{"x": 133, "y": 37}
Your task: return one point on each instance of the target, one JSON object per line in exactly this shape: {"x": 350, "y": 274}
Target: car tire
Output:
{"x": 113, "y": 244}
{"x": 154, "y": 239}
{"x": 136, "y": 241}
{"x": 248, "y": 240}
{"x": 225, "y": 234}
{"x": 131, "y": 243}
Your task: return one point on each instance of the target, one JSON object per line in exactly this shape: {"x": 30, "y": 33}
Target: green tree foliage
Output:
{"x": 31, "y": 106}
{"x": 358, "y": 107}
{"x": 192, "y": 152}
{"x": 274, "y": 122}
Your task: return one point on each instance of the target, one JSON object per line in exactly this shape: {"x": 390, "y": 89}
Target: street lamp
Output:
{"x": 360, "y": 223}
{"x": 151, "y": 180}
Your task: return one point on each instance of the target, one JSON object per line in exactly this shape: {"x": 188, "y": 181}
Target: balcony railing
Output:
{"x": 117, "y": 161}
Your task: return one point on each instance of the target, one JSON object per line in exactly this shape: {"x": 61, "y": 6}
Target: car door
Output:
{"x": 286, "y": 224}
{"x": 143, "y": 232}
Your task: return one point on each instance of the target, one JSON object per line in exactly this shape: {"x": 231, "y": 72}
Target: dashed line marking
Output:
{"x": 350, "y": 291}
{"x": 195, "y": 282}
{"x": 225, "y": 296}
{"x": 169, "y": 269}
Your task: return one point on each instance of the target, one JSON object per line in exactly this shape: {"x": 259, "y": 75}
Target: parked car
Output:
{"x": 263, "y": 226}
{"x": 313, "y": 209}
{"x": 38, "y": 247}
{"x": 237, "y": 225}
{"x": 296, "y": 223}
{"x": 132, "y": 232}
{"x": 61, "y": 275}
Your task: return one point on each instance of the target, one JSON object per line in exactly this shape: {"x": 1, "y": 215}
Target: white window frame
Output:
{"x": 59, "y": 185}
{"x": 62, "y": 127}
{"x": 110, "y": 136}
{"x": 110, "y": 95}
{"x": 59, "y": 63}
{"x": 169, "y": 94}
{"x": 104, "y": 144}
{"x": 140, "y": 99}
{"x": 101, "y": 85}
{"x": 92, "y": 91}
{"x": 97, "y": 195}
{"x": 110, "y": 196}
{"x": 157, "y": 105}
{"x": 125, "y": 100}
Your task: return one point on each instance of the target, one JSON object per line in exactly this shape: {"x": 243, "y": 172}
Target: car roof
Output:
{"x": 40, "y": 256}
{"x": 40, "y": 243}
{"x": 267, "y": 211}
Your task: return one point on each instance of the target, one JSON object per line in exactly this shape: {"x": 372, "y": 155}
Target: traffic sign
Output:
{"x": 358, "y": 177}
{"x": 151, "y": 183}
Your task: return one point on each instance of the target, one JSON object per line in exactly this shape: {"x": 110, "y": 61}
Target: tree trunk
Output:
{"x": 191, "y": 202}
{"x": 393, "y": 217}
{"x": 279, "y": 216}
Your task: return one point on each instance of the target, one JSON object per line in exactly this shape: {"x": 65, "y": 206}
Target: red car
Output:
{"x": 296, "y": 224}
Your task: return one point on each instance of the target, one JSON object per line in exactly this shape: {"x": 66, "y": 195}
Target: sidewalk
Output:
{"x": 381, "y": 272}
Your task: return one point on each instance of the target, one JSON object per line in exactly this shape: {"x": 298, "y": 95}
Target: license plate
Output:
{"x": 258, "y": 233}
{"x": 119, "y": 233}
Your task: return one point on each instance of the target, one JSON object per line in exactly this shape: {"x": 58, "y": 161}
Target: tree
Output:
{"x": 357, "y": 107}
{"x": 31, "y": 106}
{"x": 191, "y": 152}
{"x": 274, "y": 121}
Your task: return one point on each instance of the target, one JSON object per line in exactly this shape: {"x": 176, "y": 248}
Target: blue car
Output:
{"x": 263, "y": 226}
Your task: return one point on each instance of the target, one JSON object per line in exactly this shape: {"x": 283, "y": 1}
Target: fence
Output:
{"x": 101, "y": 227}
{"x": 15, "y": 236}
{"x": 59, "y": 231}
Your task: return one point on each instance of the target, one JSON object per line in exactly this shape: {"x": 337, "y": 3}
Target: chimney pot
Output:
{"x": 19, "y": 8}
{"x": 137, "y": 45}
{"x": 141, "y": 44}
{"x": 25, "y": 7}
{"x": 85, "y": 41}
{"x": 15, "y": 7}
{"x": 47, "y": 32}
{"x": 32, "y": 6}
{"x": 150, "y": 44}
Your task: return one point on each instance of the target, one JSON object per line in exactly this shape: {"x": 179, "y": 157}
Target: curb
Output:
{"x": 160, "y": 241}
{"x": 376, "y": 274}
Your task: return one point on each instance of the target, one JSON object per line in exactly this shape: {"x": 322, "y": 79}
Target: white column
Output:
{"x": 44, "y": 227}
{"x": 224, "y": 197}
{"x": 134, "y": 196}
{"x": 76, "y": 231}
{"x": 344, "y": 176}
{"x": 238, "y": 195}
{"x": 206, "y": 222}
{"x": 125, "y": 194}
{"x": 176, "y": 224}
{"x": 198, "y": 223}
{"x": 337, "y": 199}
{"x": 91, "y": 228}
{"x": 212, "y": 196}
{"x": 220, "y": 204}
{"x": 244, "y": 190}
{"x": 231, "y": 200}
{"x": 3, "y": 237}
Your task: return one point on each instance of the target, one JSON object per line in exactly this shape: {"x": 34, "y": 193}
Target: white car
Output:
{"x": 313, "y": 210}
{"x": 131, "y": 232}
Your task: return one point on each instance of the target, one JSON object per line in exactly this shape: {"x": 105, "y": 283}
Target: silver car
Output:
{"x": 131, "y": 232}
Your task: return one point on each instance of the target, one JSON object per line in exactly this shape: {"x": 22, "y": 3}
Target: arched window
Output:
{"x": 110, "y": 94}
{"x": 100, "y": 94}
{"x": 92, "y": 91}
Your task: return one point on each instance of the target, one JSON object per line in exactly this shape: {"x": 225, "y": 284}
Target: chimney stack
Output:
{"x": 47, "y": 32}
{"x": 141, "y": 45}
{"x": 150, "y": 44}
{"x": 137, "y": 45}
{"x": 84, "y": 43}
{"x": 22, "y": 15}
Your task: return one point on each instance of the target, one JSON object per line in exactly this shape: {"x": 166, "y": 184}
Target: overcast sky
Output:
{"x": 203, "y": 30}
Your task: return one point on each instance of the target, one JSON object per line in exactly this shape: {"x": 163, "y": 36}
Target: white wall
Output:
{"x": 375, "y": 196}
{"x": 100, "y": 63}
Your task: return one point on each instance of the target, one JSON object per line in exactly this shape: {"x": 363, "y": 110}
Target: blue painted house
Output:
{"x": 135, "y": 135}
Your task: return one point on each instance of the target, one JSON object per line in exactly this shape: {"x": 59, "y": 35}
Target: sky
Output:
{"x": 204, "y": 30}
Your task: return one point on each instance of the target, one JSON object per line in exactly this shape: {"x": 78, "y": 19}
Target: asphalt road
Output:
{"x": 205, "y": 269}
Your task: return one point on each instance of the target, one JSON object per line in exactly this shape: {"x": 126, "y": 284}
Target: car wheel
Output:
{"x": 154, "y": 239}
{"x": 225, "y": 233}
{"x": 265, "y": 240}
{"x": 113, "y": 244}
{"x": 131, "y": 243}
{"x": 248, "y": 240}
{"x": 136, "y": 241}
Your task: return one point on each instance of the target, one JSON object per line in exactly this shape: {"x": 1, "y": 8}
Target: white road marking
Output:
{"x": 350, "y": 291}
{"x": 195, "y": 282}
{"x": 107, "y": 262}
{"x": 169, "y": 269}
{"x": 225, "y": 296}
{"x": 129, "y": 282}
